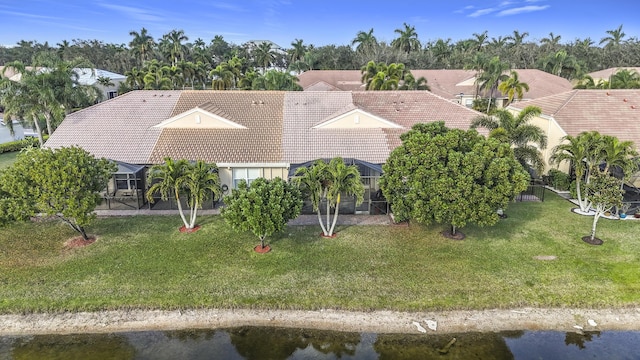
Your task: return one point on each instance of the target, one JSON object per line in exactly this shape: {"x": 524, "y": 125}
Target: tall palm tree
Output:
{"x": 407, "y": 39}
{"x": 297, "y": 51}
{"x": 525, "y": 138}
{"x": 561, "y": 64}
{"x": 618, "y": 154}
{"x": 366, "y": 41}
{"x": 222, "y": 77}
{"x": 512, "y": 87}
{"x": 135, "y": 78}
{"x": 441, "y": 50}
{"x": 479, "y": 40}
{"x": 583, "y": 155}
{"x": 491, "y": 76}
{"x": 614, "y": 39}
{"x": 264, "y": 55}
{"x": 201, "y": 182}
{"x": 141, "y": 44}
{"x": 551, "y": 42}
{"x": 173, "y": 43}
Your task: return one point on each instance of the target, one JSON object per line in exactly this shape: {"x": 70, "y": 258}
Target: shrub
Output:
{"x": 18, "y": 145}
{"x": 559, "y": 180}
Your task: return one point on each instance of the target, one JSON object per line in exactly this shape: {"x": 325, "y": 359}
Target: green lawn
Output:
{"x": 6, "y": 159}
{"x": 144, "y": 262}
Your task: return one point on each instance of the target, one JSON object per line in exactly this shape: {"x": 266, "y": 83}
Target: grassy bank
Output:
{"x": 8, "y": 158}
{"x": 144, "y": 262}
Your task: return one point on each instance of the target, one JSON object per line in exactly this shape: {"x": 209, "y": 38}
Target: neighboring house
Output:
{"x": 88, "y": 76}
{"x": 610, "y": 112}
{"x": 251, "y": 134}
{"x": 605, "y": 75}
{"x": 455, "y": 85}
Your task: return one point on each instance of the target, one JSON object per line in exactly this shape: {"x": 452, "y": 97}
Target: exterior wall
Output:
{"x": 226, "y": 173}
{"x": 554, "y": 133}
{"x": 356, "y": 121}
{"x": 199, "y": 120}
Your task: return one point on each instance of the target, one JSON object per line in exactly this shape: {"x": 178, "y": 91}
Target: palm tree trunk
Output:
{"x": 184, "y": 219}
{"x": 324, "y": 229}
{"x": 335, "y": 217}
{"x": 38, "y": 130}
{"x": 593, "y": 225}
{"x": 194, "y": 214}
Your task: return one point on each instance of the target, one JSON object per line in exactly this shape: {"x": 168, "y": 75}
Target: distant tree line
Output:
{"x": 189, "y": 63}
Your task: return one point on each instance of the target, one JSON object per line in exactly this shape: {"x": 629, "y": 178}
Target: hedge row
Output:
{"x": 18, "y": 145}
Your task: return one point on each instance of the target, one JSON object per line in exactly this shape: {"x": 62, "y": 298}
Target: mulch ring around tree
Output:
{"x": 332, "y": 236}
{"x": 78, "y": 242}
{"x": 595, "y": 241}
{"x": 183, "y": 229}
{"x": 262, "y": 250}
{"x": 449, "y": 235}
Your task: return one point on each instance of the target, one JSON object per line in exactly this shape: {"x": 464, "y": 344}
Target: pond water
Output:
{"x": 5, "y": 134}
{"x": 279, "y": 343}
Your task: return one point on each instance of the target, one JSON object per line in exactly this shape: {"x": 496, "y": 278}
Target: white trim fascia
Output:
{"x": 201, "y": 111}
{"x": 391, "y": 124}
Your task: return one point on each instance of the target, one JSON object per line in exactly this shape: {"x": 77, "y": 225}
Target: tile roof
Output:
{"x": 606, "y": 73}
{"x": 303, "y": 110}
{"x": 445, "y": 83}
{"x": 611, "y": 112}
{"x": 120, "y": 128}
{"x": 278, "y": 125}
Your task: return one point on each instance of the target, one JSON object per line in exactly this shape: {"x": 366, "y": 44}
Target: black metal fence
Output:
{"x": 534, "y": 192}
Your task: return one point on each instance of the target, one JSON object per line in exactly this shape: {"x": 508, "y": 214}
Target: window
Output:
{"x": 112, "y": 94}
{"x": 247, "y": 175}
{"x": 125, "y": 181}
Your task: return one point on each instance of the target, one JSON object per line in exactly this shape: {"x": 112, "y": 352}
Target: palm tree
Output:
{"x": 441, "y": 50}
{"x": 366, "y": 41}
{"x": 583, "y": 155}
{"x": 411, "y": 83}
{"x": 20, "y": 101}
{"x": 330, "y": 181}
{"x": 201, "y": 182}
{"x": 479, "y": 40}
{"x": 264, "y": 55}
{"x": 141, "y": 44}
{"x": 491, "y": 77}
{"x": 618, "y": 154}
{"x": 222, "y": 77}
{"x": 135, "y": 78}
{"x": 164, "y": 179}
{"x": 561, "y": 64}
{"x": 172, "y": 41}
{"x": 311, "y": 182}
{"x": 551, "y": 42}
{"x": 614, "y": 39}
{"x": 625, "y": 79}
{"x": 297, "y": 51}
{"x": 105, "y": 81}
{"x": 512, "y": 87}
{"x": 407, "y": 40}
{"x": 524, "y": 137}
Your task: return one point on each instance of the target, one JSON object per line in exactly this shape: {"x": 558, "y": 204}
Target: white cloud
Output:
{"x": 523, "y": 9}
{"x": 482, "y": 12}
{"x": 133, "y": 12}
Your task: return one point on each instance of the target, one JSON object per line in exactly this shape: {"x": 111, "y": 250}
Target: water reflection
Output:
{"x": 255, "y": 343}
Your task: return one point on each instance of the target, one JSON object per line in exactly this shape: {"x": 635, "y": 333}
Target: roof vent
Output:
{"x": 625, "y": 100}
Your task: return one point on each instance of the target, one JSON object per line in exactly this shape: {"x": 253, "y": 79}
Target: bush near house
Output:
{"x": 559, "y": 180}
{"x": 20, "y": 144}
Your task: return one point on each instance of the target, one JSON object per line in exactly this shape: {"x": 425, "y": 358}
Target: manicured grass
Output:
{"x": 144, "y": 262}
{"x": 6, "y": 159}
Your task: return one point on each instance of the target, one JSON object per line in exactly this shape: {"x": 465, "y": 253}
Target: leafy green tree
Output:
{"x": 196, "y": 182}
{"x": 625, "y": 79}
{"x": 517, "y": 131}
{"x": 604, "y": 194}
{"x": 450, "y": 176}
{"x": 263, "y": 208}
{"x": 62, "y": 183}
{"x": 327, "y": 182}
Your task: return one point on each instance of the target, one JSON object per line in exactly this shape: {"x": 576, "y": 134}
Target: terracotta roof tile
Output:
{"x": 120, "y": 128}
{"x": 611, "y": 112}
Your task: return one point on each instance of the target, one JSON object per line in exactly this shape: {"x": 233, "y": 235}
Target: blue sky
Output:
{"x": 318, "y": 22}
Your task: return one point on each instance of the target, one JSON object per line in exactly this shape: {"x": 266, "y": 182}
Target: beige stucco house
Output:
{"x": 610, "y": 112}
{"x": 455, "y": 85}
{"x": 251, "y": 134}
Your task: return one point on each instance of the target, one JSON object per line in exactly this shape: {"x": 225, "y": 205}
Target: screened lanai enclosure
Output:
{"x": 374, "y": 203}
{"x": 125, "y": 190}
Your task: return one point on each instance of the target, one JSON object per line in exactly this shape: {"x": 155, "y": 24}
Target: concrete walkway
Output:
{"x": 300, "y": 220}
